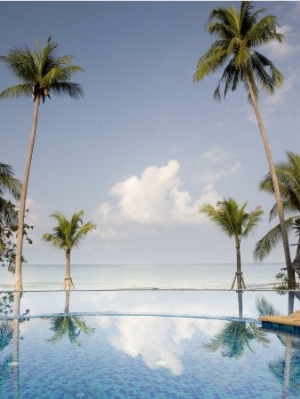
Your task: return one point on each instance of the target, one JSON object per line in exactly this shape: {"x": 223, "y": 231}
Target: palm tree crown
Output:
{"x": 288, "y": 173}
{"x": 68, "y": 233}
{"x": 232, "y": 219}
{"x": 40, "y": 72}
{"x": 239, "y": 34}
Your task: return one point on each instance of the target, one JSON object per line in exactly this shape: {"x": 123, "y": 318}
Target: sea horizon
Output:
{"x": 93, "y": 276}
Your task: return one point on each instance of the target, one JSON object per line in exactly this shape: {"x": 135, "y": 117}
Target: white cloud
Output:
{"x": 154, "y": 199}
{"x": 216, "y": 155}
{"x": 282, "y": 50}
{"x": 159, "y": 341}
{"x": 214, "y": 176}
{"x": 159, "y": 351}
{"x": 145, "y": 200}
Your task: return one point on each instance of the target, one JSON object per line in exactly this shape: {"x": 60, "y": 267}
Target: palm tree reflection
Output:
{"x": 67, "y": 325}
{"x": 70, "y": 326}
{"x": 6, "y": 328}
{"x": 287, "y": 369}
{"x": 237, "y": 335}
{"x": 6, "y": 335}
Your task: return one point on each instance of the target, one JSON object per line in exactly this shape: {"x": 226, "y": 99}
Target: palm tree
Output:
{"x": 8, "y": 215}
{"x": 40, "y": 72}
{"x": 68, "y": 234}
{"x": 288, "y": 174}
{"x": 239, "y": 33}
{"x": 236, "y": 223}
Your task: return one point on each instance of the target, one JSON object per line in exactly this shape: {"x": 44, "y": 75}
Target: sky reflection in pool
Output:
{"x": 85, "y": 346}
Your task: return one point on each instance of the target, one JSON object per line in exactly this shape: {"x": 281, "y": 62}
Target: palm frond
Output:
{"x": 74, "y": 90}
{"x": 265, "y": 307}
{"x": 270, "y": 241}
{"x": 21, "y": 90}
{"x": 8, "y": 182}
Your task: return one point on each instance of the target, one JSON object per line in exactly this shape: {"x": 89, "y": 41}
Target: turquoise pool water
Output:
{"x": 146, "y": 344}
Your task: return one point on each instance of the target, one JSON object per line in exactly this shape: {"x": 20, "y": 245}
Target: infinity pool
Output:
{"x": 146, "y": 344}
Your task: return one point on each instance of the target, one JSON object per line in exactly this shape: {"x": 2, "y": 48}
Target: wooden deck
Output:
{"x": 289, "y": 324}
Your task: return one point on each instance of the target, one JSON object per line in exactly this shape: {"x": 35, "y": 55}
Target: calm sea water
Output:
{"x": 134, "y": 276}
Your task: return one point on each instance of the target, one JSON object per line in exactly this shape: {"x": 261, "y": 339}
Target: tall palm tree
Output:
{"x": 288, "y": 174}
{"x": 11, "y": 186}
{"x": 236, "y": 223}
{"x": 68, "y": 234}
{"x": 238, "y": 34}
{"x": 41, "y": 72}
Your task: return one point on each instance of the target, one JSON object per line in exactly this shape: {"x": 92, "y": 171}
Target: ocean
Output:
{"x": 142, "y": 276}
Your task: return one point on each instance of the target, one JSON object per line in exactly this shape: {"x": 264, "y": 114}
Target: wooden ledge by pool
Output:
{"x": 289, "y": 324}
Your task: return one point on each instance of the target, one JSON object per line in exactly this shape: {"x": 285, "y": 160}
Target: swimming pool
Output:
{"x": 146, "y": 344}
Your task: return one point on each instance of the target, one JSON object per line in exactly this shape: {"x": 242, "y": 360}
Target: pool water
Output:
{"x": 145, "y": 344}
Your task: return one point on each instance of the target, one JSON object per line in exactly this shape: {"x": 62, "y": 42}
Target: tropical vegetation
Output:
{"x": 9, "y": 185}
{"x": 288, "y": 173}
{"x": 239, "y": 33}
{"x": 236, "y": 222}
{"x": 40, "y": 72}
{"x": 67, "y": 235}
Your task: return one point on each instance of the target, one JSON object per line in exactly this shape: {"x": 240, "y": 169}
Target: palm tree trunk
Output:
{"x": 68, "y": 279}
{"x": 238, "y": 266}
{"x": 290, "y": 270}
{"x": 21, "y": 216}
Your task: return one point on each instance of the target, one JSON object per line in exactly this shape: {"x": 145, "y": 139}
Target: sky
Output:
{"x": 146, "y": 146}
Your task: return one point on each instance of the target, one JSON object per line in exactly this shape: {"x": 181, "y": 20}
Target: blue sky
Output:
{"x": 146, "y": 146}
